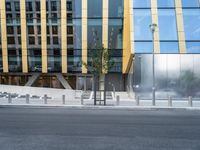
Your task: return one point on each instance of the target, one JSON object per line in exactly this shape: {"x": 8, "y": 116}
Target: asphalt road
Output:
{"x": 79, "y": 129}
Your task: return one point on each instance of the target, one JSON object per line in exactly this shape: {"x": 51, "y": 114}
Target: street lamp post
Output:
{"x": 153, "y": 29}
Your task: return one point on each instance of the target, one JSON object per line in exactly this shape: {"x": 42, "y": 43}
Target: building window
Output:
{"x": 53, "y": 6}
{"x": 167, "y": 24}
{"x": 69, "y": 5}
{"x": 143, "y": 47}
{"x": 18, "y": 30}
{"x": 191, "y": 23}
{"x": 70, "y": 40}
{"x": 169, "y": 47}
{"x": 70, "y": 30}
{"x": 166, "y": 4}
{"x": 55, "y": 40}
{"x": 193, "y": 47}
{"x": 116, "y": 8}
{"x": 17, "y": 6}
{"x": 10, "y": 30}
{"x": 30, "y": 30}
{"x": 142, "y": 20}
{"x": 11, "y": 40}
{"x": 32, "y": 40}
{"x": 8, "y": 6}
{"x": 190, "y": 3}
{"x": 94, "y": 33}
{"x": 141, "y": 3}
{"x": 94, "y": 8}
{"x": 55, "y": 29}
{"x": 37, "y": 6}
{"x": 29, "y": 6}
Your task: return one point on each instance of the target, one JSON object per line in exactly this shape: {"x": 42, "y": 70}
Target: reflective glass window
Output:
{"x": 115, "y": 34}
{"x": 190, "y": 3}
{"x": 193, "y": 47}
{"x": 141, "y": 3}
{"x": 116, "y": 8}
{"x": 192, "y": 23}
{"x": 143, "y": 47}
{"x": 94, "y": 33}
{"x": 165, "y": 3}
{"x": 95, "y": 8}
{"x": 167, "y": 24}
{"x": 169, "y": 47}
{"x": 77, "y": 4}
{"x": 142, "y": 20}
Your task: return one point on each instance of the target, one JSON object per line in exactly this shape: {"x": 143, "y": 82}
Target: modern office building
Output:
{"x": 44, "y": 42}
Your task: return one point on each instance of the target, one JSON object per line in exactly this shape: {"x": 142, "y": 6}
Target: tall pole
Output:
{"x": 153, "y": 28}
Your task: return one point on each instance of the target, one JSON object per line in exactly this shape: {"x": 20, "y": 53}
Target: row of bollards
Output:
{"x": 170, "y": 101}
{"x": 45, "y": 99}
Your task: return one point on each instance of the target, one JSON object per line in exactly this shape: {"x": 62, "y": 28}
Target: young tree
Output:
{"x": 99, "y": 64}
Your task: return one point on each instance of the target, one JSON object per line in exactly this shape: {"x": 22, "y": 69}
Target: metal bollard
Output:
{"x": 190, "y": 101}
{"x": 9, "y": 99}
{"x": 137, "y": 101}
{"x": 118, "y": 100}
{"x": 63, "y": 99}
{"x": 82, "y": 102}
{"x": 27, "y": 98}
{"x": 45, "y": 99}
{"x": 170, "y": 101}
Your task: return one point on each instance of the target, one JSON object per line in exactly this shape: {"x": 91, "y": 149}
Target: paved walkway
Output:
{"x": 127, "y": 104}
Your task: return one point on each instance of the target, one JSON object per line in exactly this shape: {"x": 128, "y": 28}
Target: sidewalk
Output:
{"x": 110, "y": 104}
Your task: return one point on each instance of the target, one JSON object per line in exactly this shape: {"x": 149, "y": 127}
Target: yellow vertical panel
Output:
{"x": 4, "y": 36}
{"x": 105, "y": 23}
{"x": 64, "y": 35}
{"x": 23, "y": 36}
{"x": 105, "y": 26}
{"x": 154, "y": 14}
{"x": 131, "y": 16}
{"x": 43, "y": 35}
{"x": 180, "y": 26}
{"x": 84, "y": 35}
{"x": 127, "y": 41}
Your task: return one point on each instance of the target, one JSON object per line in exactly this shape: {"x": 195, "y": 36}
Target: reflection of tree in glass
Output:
{"x": 188, "y": 84}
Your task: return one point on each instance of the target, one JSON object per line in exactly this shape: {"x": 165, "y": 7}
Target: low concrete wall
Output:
{"x": 54, "y": 93}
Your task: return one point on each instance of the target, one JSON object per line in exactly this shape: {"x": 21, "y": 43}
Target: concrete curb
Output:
{"x": 89, "y": 107}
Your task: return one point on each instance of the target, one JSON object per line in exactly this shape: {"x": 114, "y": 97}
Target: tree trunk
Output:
{"x": 102, "y": 90}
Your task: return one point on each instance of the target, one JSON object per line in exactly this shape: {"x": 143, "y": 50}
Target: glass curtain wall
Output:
{"x": 74, "y": 35}
{"x": 53, "y": 35}
{"x": 34, "y": 35}
{"x": 191, "y": 17}
{"x": 142, "y": 20}
{"x": 94, "y": 26}
{"x": 167, "y": 26}
{"x": 115, "y": 33}
{"x": 13, "y": 35}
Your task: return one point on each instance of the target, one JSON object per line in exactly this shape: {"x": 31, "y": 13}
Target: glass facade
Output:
{"x": 34, "y": 36}
{"x": 13, "y": 36}
{"x": 191, "y": 19}
{"x": 142, "y": 34}
{"x": 115, "y": 33}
